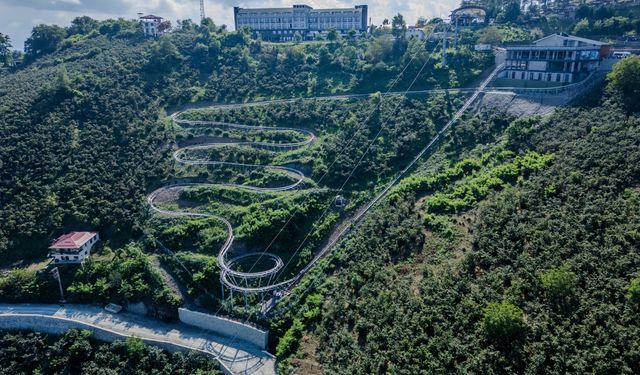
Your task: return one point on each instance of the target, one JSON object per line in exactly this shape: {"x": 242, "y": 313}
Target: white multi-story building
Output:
{"x": 73, "y": 247}
{"x": 150, "y": 24}
{"x": 281, "y": 24}
{"x": 558, "y": 58}
{"x": 415, "y": 32}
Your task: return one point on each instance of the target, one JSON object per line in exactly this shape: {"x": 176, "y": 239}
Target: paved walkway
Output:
{"x": 237, "y": 356}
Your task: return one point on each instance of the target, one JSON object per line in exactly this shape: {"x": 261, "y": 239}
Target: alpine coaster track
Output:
{"x": 230, "y": 277}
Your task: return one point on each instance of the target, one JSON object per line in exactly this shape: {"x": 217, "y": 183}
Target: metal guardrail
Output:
{"x": 590, "y": 80}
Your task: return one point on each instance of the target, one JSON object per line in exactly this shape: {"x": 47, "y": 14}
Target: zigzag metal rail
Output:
{"x": 228, "y": 274}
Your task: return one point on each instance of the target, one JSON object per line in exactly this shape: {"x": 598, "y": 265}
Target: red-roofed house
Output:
{"x": 73, "y": 247}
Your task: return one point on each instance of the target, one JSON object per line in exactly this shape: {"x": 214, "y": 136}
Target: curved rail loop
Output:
{"x": 230, "y": 277}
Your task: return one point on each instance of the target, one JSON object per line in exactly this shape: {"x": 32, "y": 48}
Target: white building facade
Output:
{"x": 558, "y": 58}
{"x": 281, "y": 24}
{"x": 73, "y": 247}
{"x": 150, "y": 25}
{"x": 415, "y": 32}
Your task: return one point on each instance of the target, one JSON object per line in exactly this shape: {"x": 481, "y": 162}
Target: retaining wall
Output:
{"x": 58, "y": 325}
{"x": 226, "y": 327}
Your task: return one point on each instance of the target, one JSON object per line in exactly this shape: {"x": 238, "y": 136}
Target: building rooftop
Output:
{"x": 292, "y": 8}
{"x": 550, "y": 48}
{"x": 150, "y": 17}
{"x": 571, "y": 37}
{"x": 72, "y": 240}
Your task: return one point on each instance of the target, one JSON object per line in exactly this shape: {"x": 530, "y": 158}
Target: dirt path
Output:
{"x": 175, "y": 286}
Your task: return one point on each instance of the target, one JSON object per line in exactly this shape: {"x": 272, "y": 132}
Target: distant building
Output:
{"x": 73, "y": 247}
{"x": 415, "y": 32}
{"x": 559, "y": 58}
{"x": 483, "y": 47}
{"x": 469, "y": 16}
{"x": 150, "y": 25}
{"x": 281, "y": 24}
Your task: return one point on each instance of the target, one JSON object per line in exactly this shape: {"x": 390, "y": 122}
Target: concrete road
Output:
{"x": 236, "y": 356}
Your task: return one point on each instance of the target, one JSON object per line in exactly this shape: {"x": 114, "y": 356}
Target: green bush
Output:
{"x": 503, "y": 321}
{"x": 624, "y": 82}
{"x": 633, "y": 291}
{"x": 559, "y": 282}
{"x": 291, "y": 340}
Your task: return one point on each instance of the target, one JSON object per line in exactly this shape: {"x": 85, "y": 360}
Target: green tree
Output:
{"x": 291, "y": 339}
{"x": 624, "y": 82}
{"x": 559, "y": 282}
{"x": 352, "y": 34}
{"x": 5, "y": 49}
{"x": 584, "y": 11}
{"x": 519, "y": 133}
{"x": 333, "y": 35}
{"x": 503, "y": 321}
{"x": 511, "y": 12}
{"x": 44, "y": 39}
{"x": 398, "y": 26}
{"x": 136, "y": 348}
{"x": 379, "y": 49}
{"x": 83, "y": 25}
{"x": 164, "y": 55}
{"x": 490, "y": 35}
{"x": 582, "y": 27}
{"x": 633, "y": 291}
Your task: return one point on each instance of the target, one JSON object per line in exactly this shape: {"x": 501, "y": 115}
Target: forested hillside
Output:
{"x": 80, "y": 139}
{"x": 74, "y": 352}
{"x": 511, "y": 248}
{"x": 83, "y": 130}
{"x": 525, "y": 261}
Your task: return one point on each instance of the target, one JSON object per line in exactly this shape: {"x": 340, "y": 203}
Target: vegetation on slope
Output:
{"x": 82, "y": 134}
{"x": 513, "y": 250}
{"x": 74, "y": 352}
{"x": 84, "y": 138}
{"x": 540, "y": 276}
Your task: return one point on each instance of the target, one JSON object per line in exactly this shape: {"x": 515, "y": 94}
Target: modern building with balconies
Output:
{"x": 557, "y": 59}
{"x": 281, "y": 24}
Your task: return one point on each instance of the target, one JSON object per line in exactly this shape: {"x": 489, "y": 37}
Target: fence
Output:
{"x": 58, "y": 325}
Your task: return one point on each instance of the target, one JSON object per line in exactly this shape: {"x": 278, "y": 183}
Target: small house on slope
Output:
{"x": 73, "y": 247}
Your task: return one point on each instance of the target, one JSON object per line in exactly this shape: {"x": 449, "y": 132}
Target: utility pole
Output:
{"x": 56, "y": 275}
{"x": 455, "y": 42}
{"x": 202, "y": 11}
{"x": 444, "y": 45}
